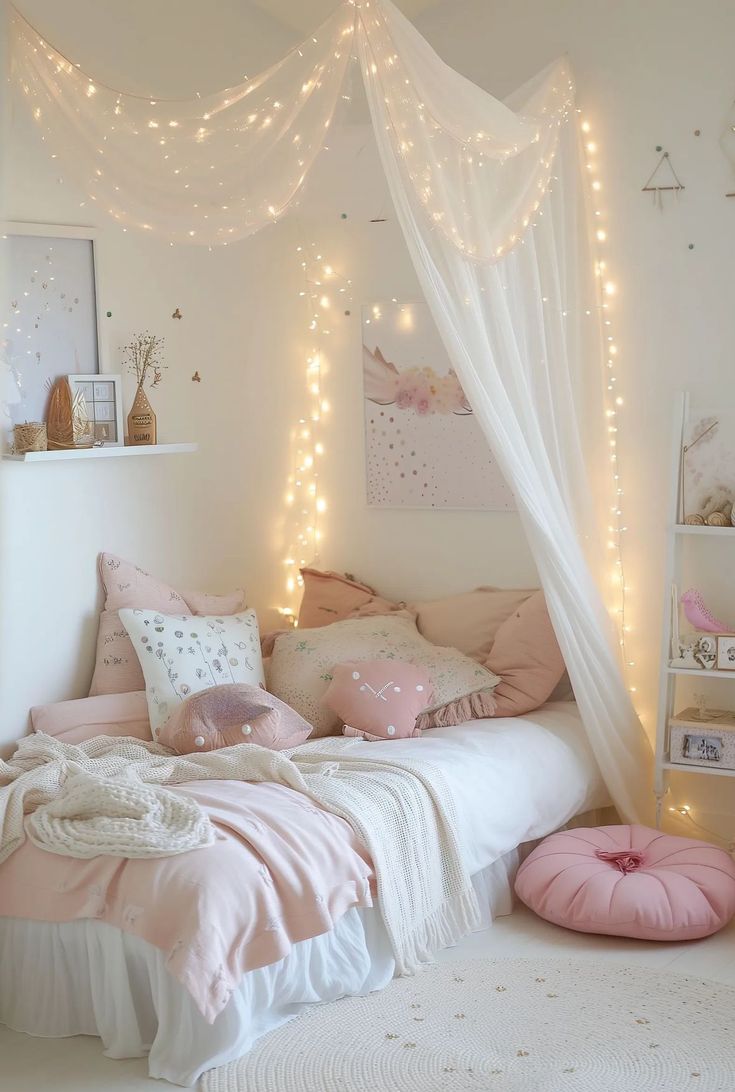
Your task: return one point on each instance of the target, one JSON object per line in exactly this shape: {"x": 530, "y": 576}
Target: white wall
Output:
{"x": 647, "y": 74}
{"x": 183, "y": 517}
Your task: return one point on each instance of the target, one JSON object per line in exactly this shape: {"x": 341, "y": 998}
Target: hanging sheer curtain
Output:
{"x": 499, "y": 244}
{"x": 491, "y": 203}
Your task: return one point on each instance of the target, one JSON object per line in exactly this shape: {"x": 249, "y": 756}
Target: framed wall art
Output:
{"x": 50, "y": 313}
{"x": 424, "y": 448}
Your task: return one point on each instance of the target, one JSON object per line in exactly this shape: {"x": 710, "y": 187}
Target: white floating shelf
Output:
{"x": 103, "y": 453}
{"x": 690, "y": 767}
{"x": 702, "y": 673}
{"x": 694, "y": 529}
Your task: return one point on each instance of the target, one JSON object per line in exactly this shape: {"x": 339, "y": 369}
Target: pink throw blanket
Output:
{"x": 282, "y": 870}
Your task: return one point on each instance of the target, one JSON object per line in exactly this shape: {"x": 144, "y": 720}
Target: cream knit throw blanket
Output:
{"x": 105, "y": 796}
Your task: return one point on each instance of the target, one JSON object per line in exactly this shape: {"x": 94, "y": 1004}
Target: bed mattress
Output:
{"x": 514, "y": 780}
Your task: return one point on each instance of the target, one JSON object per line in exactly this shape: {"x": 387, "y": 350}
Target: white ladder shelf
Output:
{"x": 676, "y": 534}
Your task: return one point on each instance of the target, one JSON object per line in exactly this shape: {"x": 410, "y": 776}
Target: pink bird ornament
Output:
{"x": 700, "y": 616}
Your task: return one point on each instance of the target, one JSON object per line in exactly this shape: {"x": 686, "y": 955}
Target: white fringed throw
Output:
{"x": 105, "y": 796}
{"x": 404, "y": 813}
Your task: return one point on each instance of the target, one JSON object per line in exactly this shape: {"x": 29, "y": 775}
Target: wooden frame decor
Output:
{"x": 51, "y": 308}
{"x": 103, "y": 397}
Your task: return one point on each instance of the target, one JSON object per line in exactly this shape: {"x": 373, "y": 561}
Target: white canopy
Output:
{"x": 491, "y": 200}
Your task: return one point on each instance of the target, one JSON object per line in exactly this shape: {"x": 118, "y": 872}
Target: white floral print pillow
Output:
{"x": 300, "y": 668}
{"x": 182, "y": 654}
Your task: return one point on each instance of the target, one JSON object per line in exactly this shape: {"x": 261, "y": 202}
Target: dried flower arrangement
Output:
{"x": 143, "y": 357}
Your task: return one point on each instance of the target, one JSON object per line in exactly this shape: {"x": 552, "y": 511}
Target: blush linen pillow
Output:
{"x": 84, "y": 718}
{"x": 183, "y": 654}
{"x": 331, "y": 597}
{"x": 222, "y": 716}
{"x": 117, "y": 669}
{"x": 379, "y": 699}
{"x": 301, "y": 667}
{"x": 469, "y": 621}
{"x": 527, "y": 657}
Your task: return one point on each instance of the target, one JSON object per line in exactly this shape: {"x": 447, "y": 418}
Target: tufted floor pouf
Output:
{"x": 629, "y": 881}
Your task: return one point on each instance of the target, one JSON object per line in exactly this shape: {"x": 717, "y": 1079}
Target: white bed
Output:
{"x": 515, "y": 780}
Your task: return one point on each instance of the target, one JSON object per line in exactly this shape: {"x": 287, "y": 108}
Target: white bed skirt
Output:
{"x": 88, "y": 978}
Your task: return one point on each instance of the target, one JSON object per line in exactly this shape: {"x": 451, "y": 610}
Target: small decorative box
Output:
{"x": 708, "y": 741}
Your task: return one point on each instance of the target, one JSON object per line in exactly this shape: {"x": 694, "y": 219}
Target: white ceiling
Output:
{"x": 305, "y": 15}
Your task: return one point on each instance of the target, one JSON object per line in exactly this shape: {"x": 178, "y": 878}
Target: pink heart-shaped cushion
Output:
{"x": 379, "y": 699}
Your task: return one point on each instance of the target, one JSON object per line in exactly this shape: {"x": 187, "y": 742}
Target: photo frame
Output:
{"x": 51, "y": 311}
{"x": 726, "y": 652}
{"x": 701, "y": 748}
{"x": 103, "y": 397}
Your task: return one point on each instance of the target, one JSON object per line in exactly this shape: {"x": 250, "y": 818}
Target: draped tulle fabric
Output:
{"x": 490, "y": 198}
{"x": 213, "y": 169}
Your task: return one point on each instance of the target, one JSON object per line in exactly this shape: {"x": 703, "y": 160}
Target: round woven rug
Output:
{"x": 513, "y": 1025}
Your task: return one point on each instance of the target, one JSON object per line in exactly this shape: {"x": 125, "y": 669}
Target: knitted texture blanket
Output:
{"x": 107, "y": 796}
{"x": 403, "y": 811}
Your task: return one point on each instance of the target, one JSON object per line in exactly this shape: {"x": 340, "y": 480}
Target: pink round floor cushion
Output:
{"x": 629, "y": 881}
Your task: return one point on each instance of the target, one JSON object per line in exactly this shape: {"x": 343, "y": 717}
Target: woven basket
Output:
{"x": 30, "y": 437}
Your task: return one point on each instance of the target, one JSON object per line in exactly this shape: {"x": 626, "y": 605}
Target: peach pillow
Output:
{"x": 117, "y": 668}
{"x": 469, "y": 621}
{"x": 302, "y": 663}
{"x": 223, "y": 716}
{"x": 332, "y": 597}
{"x": 84, "y": 718}
{"x": 379, "y": 699}
{"x": 527, "y": 657}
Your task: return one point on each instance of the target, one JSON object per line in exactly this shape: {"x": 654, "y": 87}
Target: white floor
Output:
{"x": 78, "y": 1065}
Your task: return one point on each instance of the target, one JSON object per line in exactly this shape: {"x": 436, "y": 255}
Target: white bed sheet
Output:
{"x": 514, "y": 780}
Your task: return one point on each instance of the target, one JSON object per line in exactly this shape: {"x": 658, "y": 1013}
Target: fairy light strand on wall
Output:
{"x": 326, "y": 294}
{"x": 607, "y": 292}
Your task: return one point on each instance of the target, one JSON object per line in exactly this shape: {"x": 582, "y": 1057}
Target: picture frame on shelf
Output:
{"x": 702, "y": 748}
{"x": 103, "y": 396}
{"x": 708, "y": 741}
{"x": 726, "y": 652}
{"x": 52, "y": 313}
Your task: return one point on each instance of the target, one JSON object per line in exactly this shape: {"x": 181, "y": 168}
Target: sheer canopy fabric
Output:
{"x": 490, "y": 197}
{"x": 213, "y": 169}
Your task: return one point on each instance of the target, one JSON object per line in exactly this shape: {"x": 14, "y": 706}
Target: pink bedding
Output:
{"x": 281, "y": 871}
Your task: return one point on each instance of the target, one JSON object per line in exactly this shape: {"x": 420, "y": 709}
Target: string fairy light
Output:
{"x": 305, "y": 501}
{"x": 614, "y": 403}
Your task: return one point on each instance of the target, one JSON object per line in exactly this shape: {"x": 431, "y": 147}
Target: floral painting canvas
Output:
{"x": 424, "y": 448}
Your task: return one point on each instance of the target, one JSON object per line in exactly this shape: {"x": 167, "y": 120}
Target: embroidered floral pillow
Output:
{"x": 182, "y": 654}
{"x": 116, "y": 669}
{"x": 302, "y": 664}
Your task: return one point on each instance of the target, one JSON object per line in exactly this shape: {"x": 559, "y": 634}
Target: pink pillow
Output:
{"x": 629, "y": 881}
{"x": 469, "y": 621}
{"x": 379, "y": 699}
{"x": 117, "y": 668}
{"x": 332, "y": 597}
{"x": 527, "y": 657}
{"x": 84, "y": 718}
{"x": 235, "y": 713}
